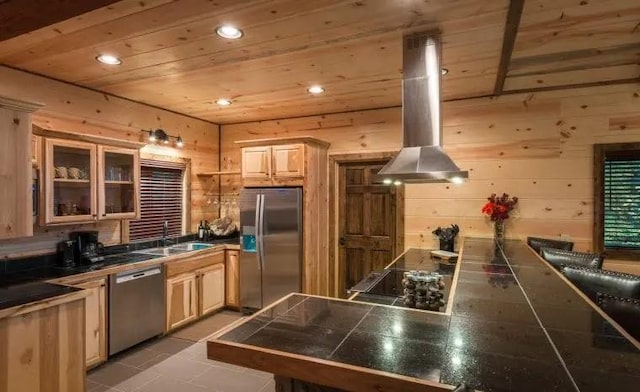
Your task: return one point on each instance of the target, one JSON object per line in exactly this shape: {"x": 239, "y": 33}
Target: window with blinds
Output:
{"x": 616, "y": 204}
{"x": 621, "y": 202}
{"x": 161, "y": 199}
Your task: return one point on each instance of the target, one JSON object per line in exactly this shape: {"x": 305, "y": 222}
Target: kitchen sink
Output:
{"x": 162, "y": 251}
{"x": 175, "y": 249}
{"x": 190, "y": 246}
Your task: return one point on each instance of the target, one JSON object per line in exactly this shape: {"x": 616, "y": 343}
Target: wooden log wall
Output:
{"x": 534, "y": 146}
{"x": 74, "y": 109}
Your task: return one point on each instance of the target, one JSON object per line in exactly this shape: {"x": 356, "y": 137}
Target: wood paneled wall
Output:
{"x": 534, "y": 146}
{"x": 74, "y": 109}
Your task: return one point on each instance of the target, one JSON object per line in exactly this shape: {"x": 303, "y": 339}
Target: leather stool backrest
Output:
{"x": 625, "y": 311}
{"x": 592, "y": 281}
{"x": 559, "y": 257}
{"x": 537, "y": 243}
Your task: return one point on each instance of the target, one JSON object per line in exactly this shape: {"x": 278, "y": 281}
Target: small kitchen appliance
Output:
{"x": 88, "y": 249}
{"x": 66, "y": 254}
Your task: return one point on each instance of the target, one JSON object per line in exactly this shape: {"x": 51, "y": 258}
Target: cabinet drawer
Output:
{"x": 174, "y": 268}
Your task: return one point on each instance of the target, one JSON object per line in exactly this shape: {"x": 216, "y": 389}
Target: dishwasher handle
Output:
{"x": 137, "y": 274}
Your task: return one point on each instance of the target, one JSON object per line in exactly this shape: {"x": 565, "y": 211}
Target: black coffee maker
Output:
{"x": 88, "y": 249}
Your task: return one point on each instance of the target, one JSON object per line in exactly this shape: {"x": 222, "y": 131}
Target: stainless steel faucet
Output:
{"x": 165, "y": 232}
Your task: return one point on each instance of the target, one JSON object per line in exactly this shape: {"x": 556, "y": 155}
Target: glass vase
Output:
{"x": 498, "y": 231}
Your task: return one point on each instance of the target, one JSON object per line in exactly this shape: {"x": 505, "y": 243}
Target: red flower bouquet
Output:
{"x": 498, "y": 208}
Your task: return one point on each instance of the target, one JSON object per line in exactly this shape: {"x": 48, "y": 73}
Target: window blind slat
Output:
{"x": 160, "y": 200}
{"x": 622, "y": 203}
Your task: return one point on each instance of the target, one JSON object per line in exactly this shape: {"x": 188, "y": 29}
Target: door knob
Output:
{"x": 342, "y": 241}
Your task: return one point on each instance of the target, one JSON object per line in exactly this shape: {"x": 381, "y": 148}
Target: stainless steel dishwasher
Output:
{"x": 136, "y": 307}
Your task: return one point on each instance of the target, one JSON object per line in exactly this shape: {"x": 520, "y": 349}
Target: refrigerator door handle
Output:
{"x": 257, "y": 231}
{"x": 261, "y": 232}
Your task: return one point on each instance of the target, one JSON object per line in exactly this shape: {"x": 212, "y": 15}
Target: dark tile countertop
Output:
{"x": 29, "y": 285}
{"x": 515, "y": 325}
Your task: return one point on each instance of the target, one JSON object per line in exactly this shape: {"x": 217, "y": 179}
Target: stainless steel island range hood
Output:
{"x": 421, "y": 159}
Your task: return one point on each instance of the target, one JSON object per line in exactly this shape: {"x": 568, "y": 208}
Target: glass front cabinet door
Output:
{"x": 118, "y": 183}
{"x": 70, "y": 187}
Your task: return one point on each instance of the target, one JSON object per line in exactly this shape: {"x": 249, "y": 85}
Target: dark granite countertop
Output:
{"x": 515, "y": 325}
{"x": 22, "y": 287}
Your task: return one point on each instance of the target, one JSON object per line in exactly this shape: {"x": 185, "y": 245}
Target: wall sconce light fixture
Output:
{"x": 159, "y": 135}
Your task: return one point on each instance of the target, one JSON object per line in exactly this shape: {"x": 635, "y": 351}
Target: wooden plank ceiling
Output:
{"x": 173, "y": 59}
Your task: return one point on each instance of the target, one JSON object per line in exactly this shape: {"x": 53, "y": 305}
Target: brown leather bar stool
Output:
{"x": 593, "y": 281}
{"x": 625, "y": 311}
{"x": 536, "y": 243}
{"x": 559, "y": 257}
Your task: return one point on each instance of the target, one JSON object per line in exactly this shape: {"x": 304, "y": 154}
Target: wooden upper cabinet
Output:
{"x": 16, "y": 208}
{"x": 69, "y": 182}
{"x": 118, "y": 183}
{"x": 85, "y": 182}
{"x": 256, "y": 162}
{"x": 288, "y": 160}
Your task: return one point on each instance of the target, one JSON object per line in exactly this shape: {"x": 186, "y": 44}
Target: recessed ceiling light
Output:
{"x": 444, "y": 71}
{"x": 229, "y": 31}
{"x": 223, "y": 102}
{"x": 108, "y": 59}
{"x": 316, "y": 89}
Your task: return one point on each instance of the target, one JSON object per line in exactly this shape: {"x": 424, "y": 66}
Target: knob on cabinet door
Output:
{"x": 342, "y": 241}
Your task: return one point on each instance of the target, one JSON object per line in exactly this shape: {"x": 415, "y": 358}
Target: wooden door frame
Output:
{"x": 335, "y": 160}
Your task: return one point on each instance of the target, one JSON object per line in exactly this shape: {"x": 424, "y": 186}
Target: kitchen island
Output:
{"x": 514, "y": 324}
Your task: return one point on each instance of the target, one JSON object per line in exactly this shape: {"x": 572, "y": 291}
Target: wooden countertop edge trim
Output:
{"x": 318, "y": 371}
{"x": 587, "y": 300}
{"x": 43, "y": 304}
{"x": 282, "y": 140}
{"x": 454, "y": 283}
{"x": 71, "y": 280}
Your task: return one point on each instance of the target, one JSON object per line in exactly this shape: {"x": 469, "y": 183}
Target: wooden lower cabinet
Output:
{"x": 211, "y": 289}
{"x": 182, "y": 302}
{"x": 232, "y": 285}
{"x": 95, "y": 322}
{"x": 42, "y": 350}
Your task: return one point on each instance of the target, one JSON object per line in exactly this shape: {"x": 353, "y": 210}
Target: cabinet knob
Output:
{"x": 104, "y": 214}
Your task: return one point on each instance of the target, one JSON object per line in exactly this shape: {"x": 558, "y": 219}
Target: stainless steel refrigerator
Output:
{"x": 271, "y": 243}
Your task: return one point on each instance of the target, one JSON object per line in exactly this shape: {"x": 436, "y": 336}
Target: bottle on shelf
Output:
{"x": 200, "y": 231}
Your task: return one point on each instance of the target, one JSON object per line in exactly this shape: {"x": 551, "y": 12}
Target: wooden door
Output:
{"x": 118, "y": 183}
{"x": 96, "y": 322}
{"x": 211, "y": 289}
{"x": 232, "y": 287}
{"x": 367, "y": 223}
{"x": 288, "y": 160}
{"x": 182, "y": 303}
{"x": 256, "y": 162}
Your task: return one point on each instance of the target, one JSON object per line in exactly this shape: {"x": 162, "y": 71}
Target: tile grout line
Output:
{"x": 535, "y": 314}
{"x": 351, "y": 331}
{"x": 274, "y": 318}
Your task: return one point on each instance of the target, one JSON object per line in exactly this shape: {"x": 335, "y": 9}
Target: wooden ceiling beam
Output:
{"x": 19, "y": 17}
{"x": 510, "y": 32}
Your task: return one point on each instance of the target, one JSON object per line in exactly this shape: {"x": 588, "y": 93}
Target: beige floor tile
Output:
{"x": 270, "y": 387}
{"x": 169, "y": 345}
{"x": 122, "y": 377}
{"x": 227, "y": 380}
{"x": 136, "y": 357}
{"x": 180, "y": 368}
{"x": 167, "y": 384}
